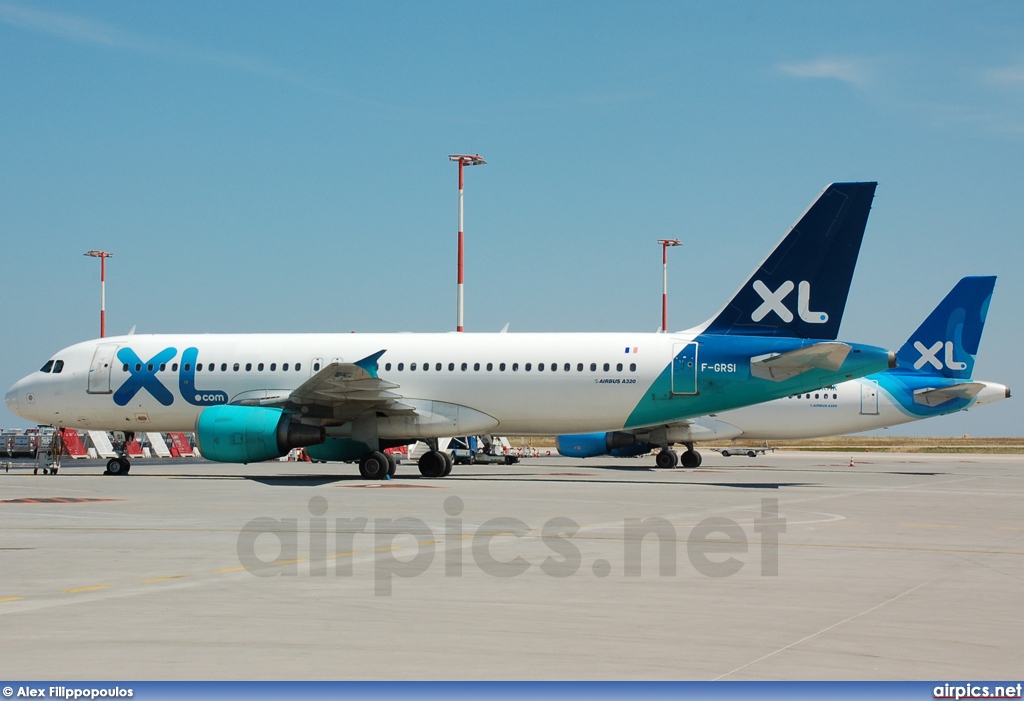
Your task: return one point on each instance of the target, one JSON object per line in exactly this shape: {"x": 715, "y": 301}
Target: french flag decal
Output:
{"x": 633, "y": 350}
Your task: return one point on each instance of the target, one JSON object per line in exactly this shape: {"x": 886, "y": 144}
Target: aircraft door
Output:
{"x": 869, "y": 397}
{"x": 99, "y": 371}
{"x": 684, "y": 368}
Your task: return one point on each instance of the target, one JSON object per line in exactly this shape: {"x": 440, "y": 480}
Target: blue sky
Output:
{"x": 283, "y": 166}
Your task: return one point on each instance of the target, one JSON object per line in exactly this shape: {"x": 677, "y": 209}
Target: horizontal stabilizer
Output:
{"x": 934, "y": 397}
{"x": 821, "y": 356}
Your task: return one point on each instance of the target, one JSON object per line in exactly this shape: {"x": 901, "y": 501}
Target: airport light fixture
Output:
{"x": 102, "y": 255}
{"x": 462, "y": 160}
{"x": 665, "y": 243}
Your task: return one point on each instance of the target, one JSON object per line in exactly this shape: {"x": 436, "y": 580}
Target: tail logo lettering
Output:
{"x": 929, "y": 356}
{"x": 775, "y": 302}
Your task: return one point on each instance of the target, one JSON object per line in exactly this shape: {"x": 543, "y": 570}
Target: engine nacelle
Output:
{"x": 230, "y": 433}
{"x": 588, "y": 445}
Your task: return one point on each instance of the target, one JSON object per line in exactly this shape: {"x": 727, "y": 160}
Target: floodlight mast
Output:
{"x": 665, "y": 243}
{"x": 102, "y": 255}
{"x": 462, "y": 160}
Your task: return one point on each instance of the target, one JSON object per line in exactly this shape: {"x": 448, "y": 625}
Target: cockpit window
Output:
{"x": 58, "y": 365}
{"x": 47, "y": 367}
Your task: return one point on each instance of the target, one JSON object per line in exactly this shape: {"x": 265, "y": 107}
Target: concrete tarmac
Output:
{"x": 899, "y": 567}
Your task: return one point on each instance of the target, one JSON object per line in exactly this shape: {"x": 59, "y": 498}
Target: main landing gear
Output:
{"x": 120, "y": 465}
{"x": 435, "y": 463}
{"x": 377, "y": 465}
{"x": 667, "y": 459}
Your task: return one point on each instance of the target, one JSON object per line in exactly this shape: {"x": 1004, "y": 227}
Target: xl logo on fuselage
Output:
{"x": 929, "y": 356}
{"x": 775, "y": 302}
{"x": 187, "y": 383}
{"x": 144, "y": 376}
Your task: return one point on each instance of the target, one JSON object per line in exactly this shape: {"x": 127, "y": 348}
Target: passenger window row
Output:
{"x": 513, "y": 367}
{"x": 816, "y": 396}
{"x": 211, "y": 367}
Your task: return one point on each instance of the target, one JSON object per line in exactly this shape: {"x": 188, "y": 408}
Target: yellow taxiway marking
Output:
{"x": 288, "y": 562}
{"x": 231, "y": 569}
{"x": 342, "y": 554}
{"x": 386, "y": 547}
{"x": 164, "y": 579}
{"x": 12, "y": 598}
{"x": 81, "y": 589}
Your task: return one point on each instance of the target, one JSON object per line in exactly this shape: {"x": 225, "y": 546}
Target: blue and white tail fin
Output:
{"x": 946, "y": 343}
{"x": 800, "y": 289}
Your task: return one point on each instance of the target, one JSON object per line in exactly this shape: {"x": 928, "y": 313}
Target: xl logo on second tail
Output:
{"x": 775, "y": 302}
{"x": 929, "y": 356}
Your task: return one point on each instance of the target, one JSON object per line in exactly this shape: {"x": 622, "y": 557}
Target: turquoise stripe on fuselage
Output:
{"x": 724, "y": 380}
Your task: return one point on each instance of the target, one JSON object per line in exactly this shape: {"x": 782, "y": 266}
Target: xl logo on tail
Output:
{"x": 775, "y": 302}
{"x": 929, "y": 356}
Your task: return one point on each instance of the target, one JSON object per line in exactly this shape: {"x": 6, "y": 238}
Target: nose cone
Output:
{"x": 11, "y": 399}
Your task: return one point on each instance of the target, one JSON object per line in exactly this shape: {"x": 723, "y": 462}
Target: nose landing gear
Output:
{"x": 120, "y": 465}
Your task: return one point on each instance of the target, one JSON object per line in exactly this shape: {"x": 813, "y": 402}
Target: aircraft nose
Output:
{"x": 11, "y": 399}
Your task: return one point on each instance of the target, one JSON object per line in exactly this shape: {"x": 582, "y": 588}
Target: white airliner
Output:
{"x": 932, "y": 378}
{"x": 346, "y": 397}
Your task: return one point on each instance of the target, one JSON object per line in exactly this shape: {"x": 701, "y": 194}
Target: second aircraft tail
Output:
{"x": 947, "y": 341}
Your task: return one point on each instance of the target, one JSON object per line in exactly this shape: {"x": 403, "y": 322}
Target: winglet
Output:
{"x": 947, "y": 341}
{"x": 369, "y": 363}
{"x": 800, "y": 289}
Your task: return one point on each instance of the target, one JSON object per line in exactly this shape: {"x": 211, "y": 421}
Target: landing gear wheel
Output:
{"x": 691, "y": 458}
{"x": 700, "y": 458}
{"x": 448, "y": 463}
{"x": 118, "y": 466}
{"x": 392, "y": 464}
{"x": 374, "y": 466}
{"x": 666, "y": 459}
{"x": 432, "y": 464}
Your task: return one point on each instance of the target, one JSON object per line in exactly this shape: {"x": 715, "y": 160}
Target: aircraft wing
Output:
{"x": 782, "y": 366}
{"x": 340, "y": 391}
{"x": 934, "y": 397}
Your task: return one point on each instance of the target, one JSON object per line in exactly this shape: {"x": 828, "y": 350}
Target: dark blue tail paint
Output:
{"x": 800, "y": 290}
{"x": 946, "y": 343}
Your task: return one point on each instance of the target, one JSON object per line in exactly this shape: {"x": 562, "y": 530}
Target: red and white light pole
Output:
{"x": 102, "y": 255}
{"x": 665, "y": 243}
{"x": 463, "y": 160}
